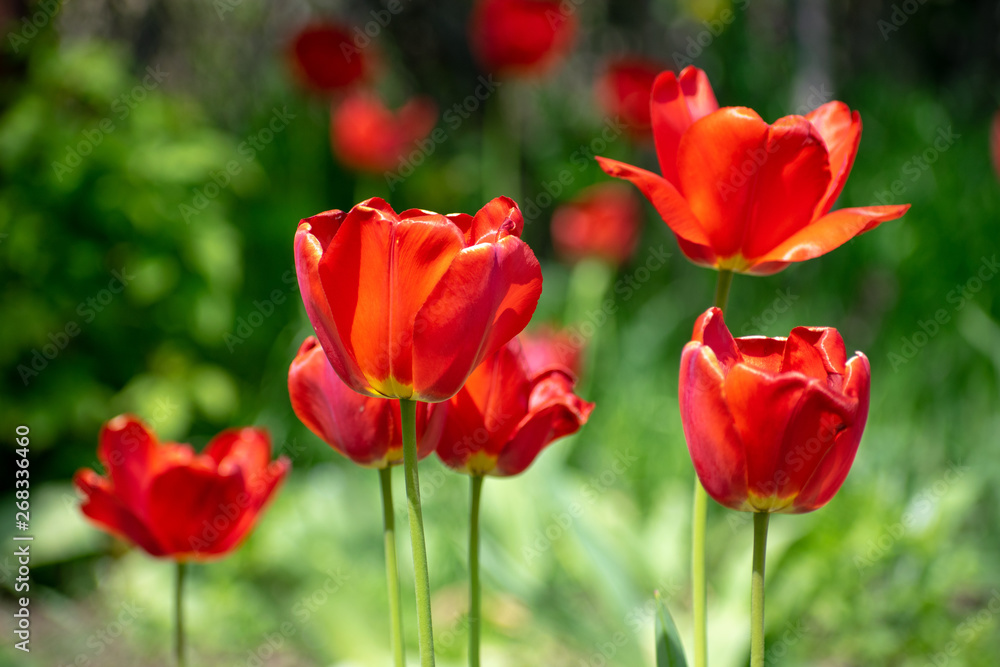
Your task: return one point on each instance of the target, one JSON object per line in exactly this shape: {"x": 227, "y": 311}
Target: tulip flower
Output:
{"x": 624, "y": 89}
{"x": 521, "y": 37}
{"x": 742, "y": 195}
{"x": 547, "y": 348}
{"x": 772, "y": 424}
{"x": 407, "y": 305}
{"x": 325, "y": 58}
{"x": 176, "y": 504}
{"x": 503, "y": 417}
{"x": 367, "y": 136}
{"x": 365, "y": 429}
{"x": 603, "y": 221}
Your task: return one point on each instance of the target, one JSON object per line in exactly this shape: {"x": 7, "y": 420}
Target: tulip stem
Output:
{"x": 760, "y": 520}
{"x": 391, "y": 571}
{"x": 421, "y": 578}
{"x": 699, "y": 521}
{"x": 179, "y": 614}
{"x": 475, "y": 599}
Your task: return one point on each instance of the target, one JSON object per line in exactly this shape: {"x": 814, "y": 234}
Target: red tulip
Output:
{"x": 546, "y": 348}
{"x": 367, "y": 136}
{"x": 603, "y": 221}
{"x": 365, "y": 429}
{"x": 743, "y": 195}
{"x": 995, "y": 143}
{"x": 407, "y": 305}
{"x": 521, "y": 37}
{"x": 325, "y": 58}
{"x": 624, "y": 91}
{"x": 175, "y": 503}
{"x": 772, "y": 424}
{"x": 505, "y": 415}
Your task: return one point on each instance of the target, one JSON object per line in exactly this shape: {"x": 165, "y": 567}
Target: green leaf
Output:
{"x": 669, "y": 649}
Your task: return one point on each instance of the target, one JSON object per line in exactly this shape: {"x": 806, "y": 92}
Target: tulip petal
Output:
{"x": 262, "y": 489}
{"x": 841, "y": 132}
{"x": 675, "y": 103}
{"x": 831, "y": 231}
{"x": 829, "y": 475}
{"x": 750, "y": 184}
{"x": 194, "y": 508}
{"x": 716, "y": 449}
{"x": 664, "y": 197}
{"x": 762, "y": 353}
{"x": 486, "y": 297}
{"x": 710, "y": 328}
{"x": 104, "y": 507}
{"x": 382, "y": 272}
{"x": 246, "y": 449}
{"x": 128, "y": 450}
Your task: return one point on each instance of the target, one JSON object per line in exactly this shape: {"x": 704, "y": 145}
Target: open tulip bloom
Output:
{"x": 406, "y": 305}
{"x": 745, "y": 196}
{"x": 174, "y": 503}
{"x": 772, "y": 425}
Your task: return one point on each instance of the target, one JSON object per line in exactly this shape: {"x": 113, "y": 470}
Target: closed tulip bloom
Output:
{"x": 624, "y": 89}
{"x": 174, "y": 503}
{"x": 745, "y": 196}
{"x": 406, "y": 305}
{"x": 325, "y": 59}
{"x": 365, "y": 429}
{"x": 505, "y": 415}
{"x": 546, "y": 348}
{"x": 772, "y": 424}
{"x": 520, "y": 37}
{"x": 368, "y": 136}
{"x": 602, "y": 222}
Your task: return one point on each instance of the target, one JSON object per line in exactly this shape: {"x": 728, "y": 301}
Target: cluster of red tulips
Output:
{"x": 418, "y": 319}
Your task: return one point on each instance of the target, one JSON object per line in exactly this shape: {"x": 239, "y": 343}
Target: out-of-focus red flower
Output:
{"x": 743, "y": 195}
{"x": 624, "y": 91}
{"x": 521, "y": 37}
{"x": 368, "y": 136}
{"x": 325, "y": 58}
{"x": 505, "y": 415}
{"x": 363, "y": 428}
{"x": 603, "y": 221}
{"x": 772, "y": 424}
{"x": 175, "y": 503}
{"x": 407, "y": 305}
{"x": 995, "y": 143}
{"x": 546, "y": 348}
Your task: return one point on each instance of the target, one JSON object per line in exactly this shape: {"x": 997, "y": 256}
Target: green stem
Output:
{"x": 475, "y": 599}
{"x": 421, "y": 578}
{"x": 699, "y": 521}
{"x": 179, "y": 614}
{"x": 760, "y": 520}
{"x": 391, "y": 570}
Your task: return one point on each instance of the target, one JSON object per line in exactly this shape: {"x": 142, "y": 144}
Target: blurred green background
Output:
{"x": 183, "y": 83}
